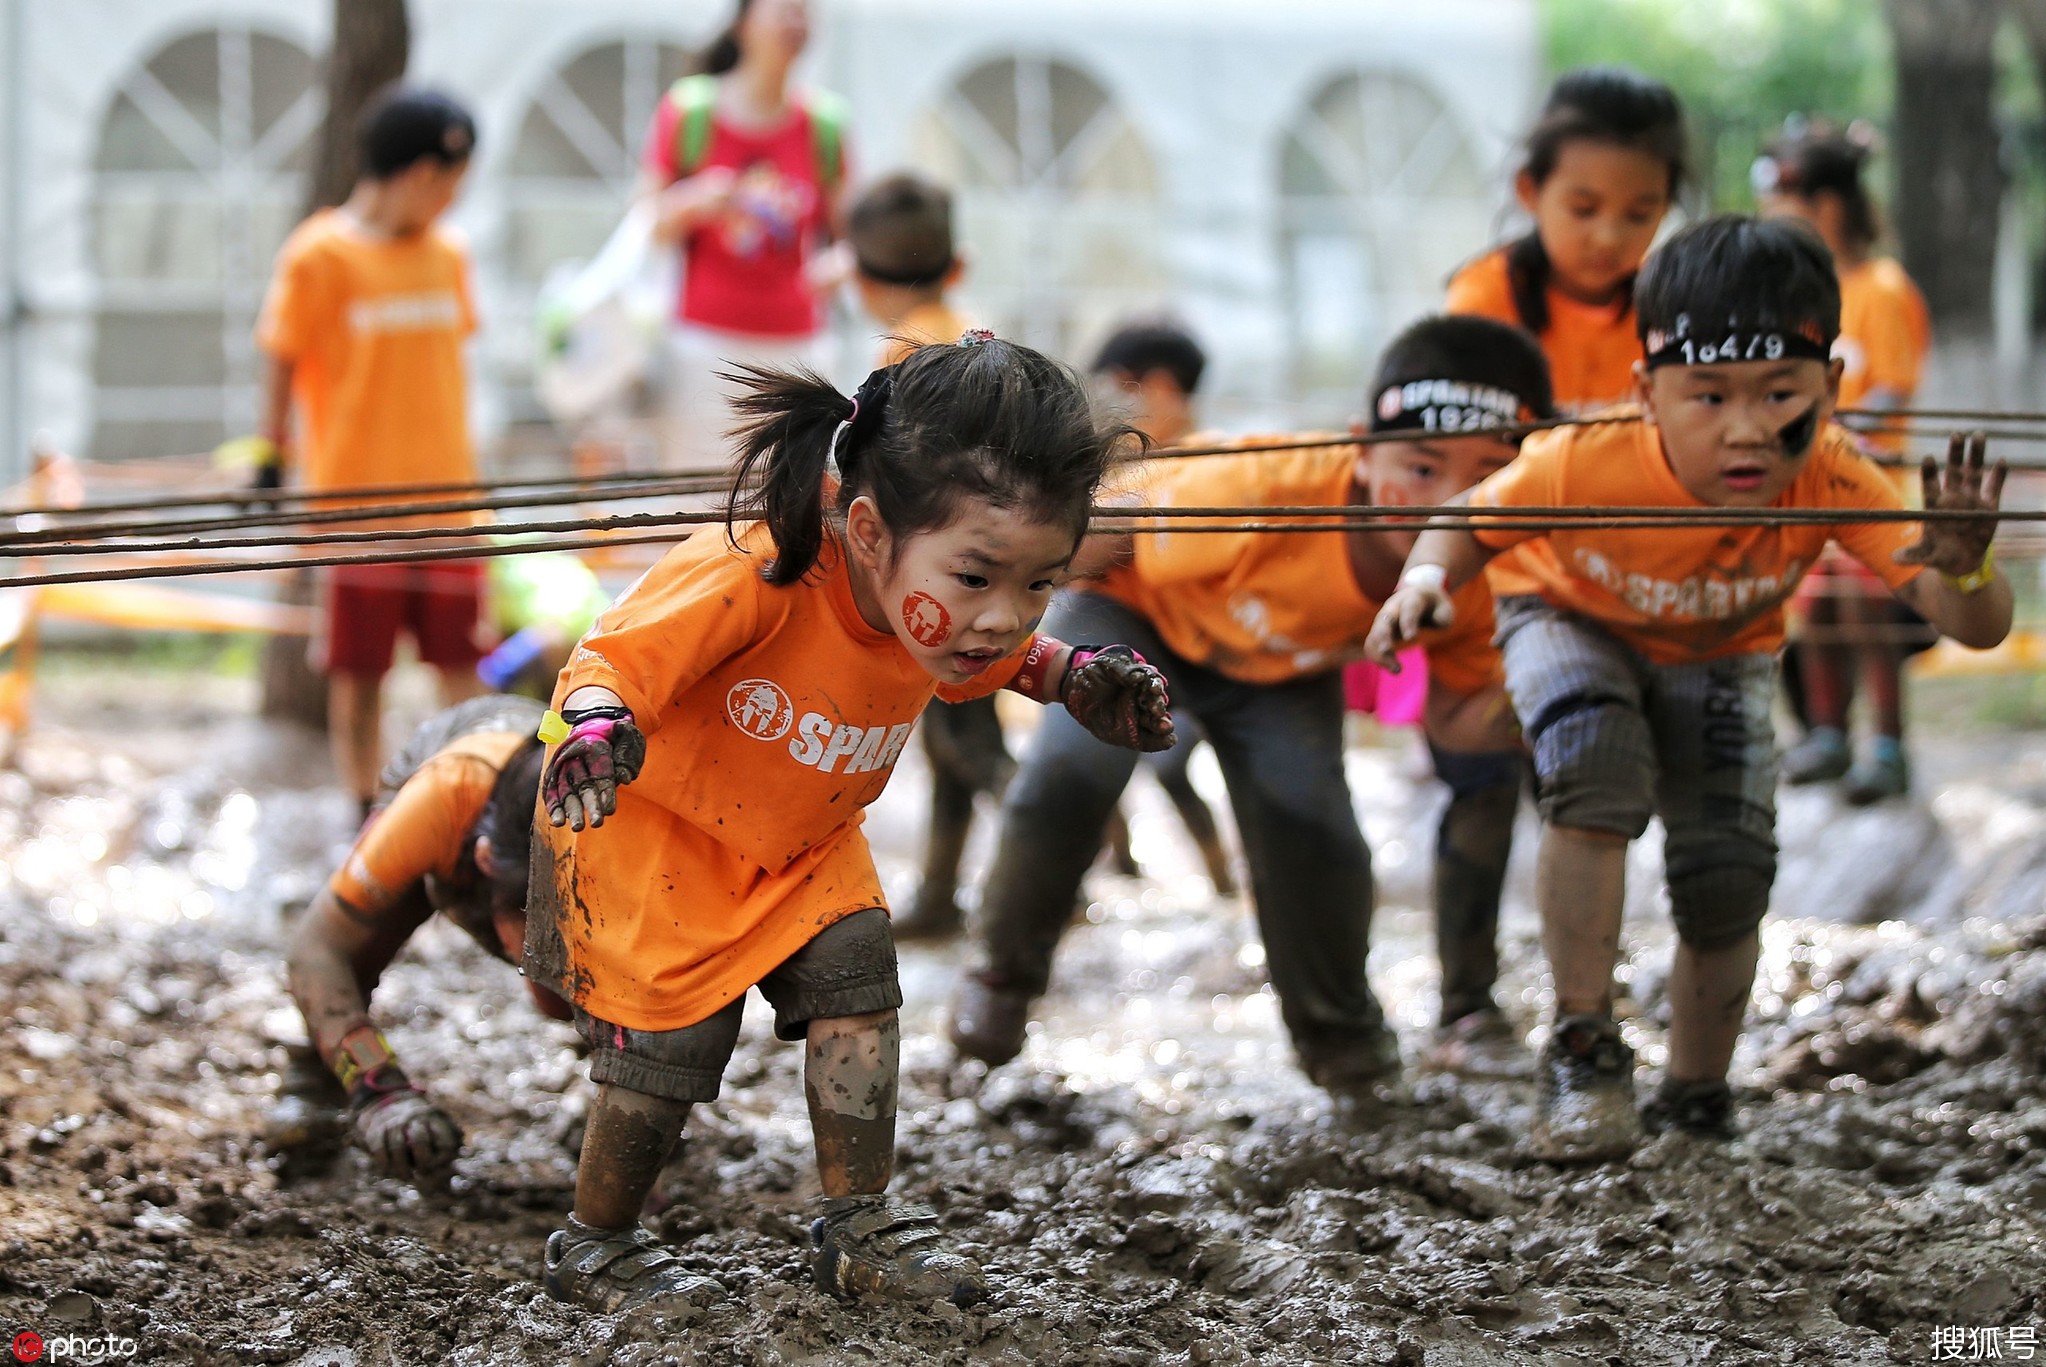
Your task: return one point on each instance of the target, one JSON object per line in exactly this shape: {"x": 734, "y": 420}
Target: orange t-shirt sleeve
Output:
{"x": 465, "y": 291}
{"x": 1854, "y": 481}
{"x": 1533, "y": 480}
{"x": 419, "y": 833}
{"x": 1481, "y": 288}
{"x": 689, "y": 614}
{"x": 296, "y": 307}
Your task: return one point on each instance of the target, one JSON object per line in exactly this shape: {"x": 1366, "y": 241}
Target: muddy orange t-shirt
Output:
{"x": 1267, "y": 607}
{"x": 933, "y": 324}
{"x": 773, "y": 716}
{"x": 428, "y": 827}
{"x": 1677, "y": 594}
{"x": 1591, "y": 348}
{"x": 373, "y": 328}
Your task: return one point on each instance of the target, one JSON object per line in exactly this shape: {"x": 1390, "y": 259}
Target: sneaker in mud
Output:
{"x": 608, "y": 1270}
{"x": 1584, "y": 1094}
{"x": 1877, "y": 778}
{"x": 1703, "y": 1110}
{"x": 868, "y": 1246}
{"x": 1358, "y": 1074}
{"x": 987, "y": 1021}
{"x": 307, "y": 1126}
{"x": 1479, "y": 1045}
{"x": 1820, "y": 757}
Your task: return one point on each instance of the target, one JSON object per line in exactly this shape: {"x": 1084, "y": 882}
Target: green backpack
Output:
{"x": 697, "y": 96}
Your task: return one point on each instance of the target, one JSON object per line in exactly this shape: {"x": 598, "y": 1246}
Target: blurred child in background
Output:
{"x": 1813, "y": 173}
{"x": 1603, "y": 166}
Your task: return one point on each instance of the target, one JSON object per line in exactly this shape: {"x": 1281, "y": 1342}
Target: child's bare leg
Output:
{"x": 1580, "y": 889}
{"x": 866, "y": 1246}
{"x": 629, "y": 1137}
{"x": 1708, "y": 993}
{"x": 355, "y": 719}
{"x": 850, "y": 1074}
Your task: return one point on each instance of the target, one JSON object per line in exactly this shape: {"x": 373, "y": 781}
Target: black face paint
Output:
{"x": 1796, "y": 435}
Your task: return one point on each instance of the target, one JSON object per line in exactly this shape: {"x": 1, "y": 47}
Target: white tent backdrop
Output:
{"x": 1293, "y": 178}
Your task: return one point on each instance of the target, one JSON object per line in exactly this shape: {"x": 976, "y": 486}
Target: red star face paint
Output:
{"x": 928, "y": 623}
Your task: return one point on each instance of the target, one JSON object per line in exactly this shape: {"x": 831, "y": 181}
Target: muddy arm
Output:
{"x": 337, "y": 954}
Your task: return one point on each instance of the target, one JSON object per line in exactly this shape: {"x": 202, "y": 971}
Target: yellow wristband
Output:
{"x": 1978, "y": 578}
{"x": 553, "y": 729}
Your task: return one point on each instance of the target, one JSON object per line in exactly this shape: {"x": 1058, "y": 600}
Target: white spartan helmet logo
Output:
{"x": 759, "y": 708}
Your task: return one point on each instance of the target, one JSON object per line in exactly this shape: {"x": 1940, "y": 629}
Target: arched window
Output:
{"x": 1381, "y": 195}
{"x": 577, "y": 155}
{"x": 199, "y": 177}
{"x": 1057, "y": 199}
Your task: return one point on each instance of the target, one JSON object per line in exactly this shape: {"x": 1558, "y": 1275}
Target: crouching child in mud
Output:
{"x": 1642, "y": 662}
{"x": 450, "y": 832}
{"x": 720, "y": 731}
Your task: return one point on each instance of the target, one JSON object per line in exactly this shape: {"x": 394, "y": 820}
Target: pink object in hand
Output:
{"x": 1395, "y": 699}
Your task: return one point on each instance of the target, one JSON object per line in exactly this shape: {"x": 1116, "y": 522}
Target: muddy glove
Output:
{"x": 404, "y": 1134}
{"x": 600, "y": 750}
{"x": 1118, "y": 697}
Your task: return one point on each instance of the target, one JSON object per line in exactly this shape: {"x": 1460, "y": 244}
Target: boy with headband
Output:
{"x": 1642, "y": 661}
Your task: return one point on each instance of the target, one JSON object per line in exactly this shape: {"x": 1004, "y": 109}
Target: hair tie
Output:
{"x": 975, "y": 337}
{"x": 869, "y": 408}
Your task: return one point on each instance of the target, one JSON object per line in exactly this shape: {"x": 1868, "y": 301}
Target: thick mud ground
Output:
{"x": 1152, "y": 1182}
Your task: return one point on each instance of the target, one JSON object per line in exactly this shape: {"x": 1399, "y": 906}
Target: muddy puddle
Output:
{"x": 1151, "y": 1183}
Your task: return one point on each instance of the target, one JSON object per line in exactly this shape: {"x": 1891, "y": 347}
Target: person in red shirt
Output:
{"x": 1603, "y": 166}
{"x": 721, "y": 730}
{"x": 1642, "y": 661}
{"x": 748, "y": 176}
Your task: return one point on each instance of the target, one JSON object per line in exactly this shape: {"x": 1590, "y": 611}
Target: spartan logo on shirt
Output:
{"x": 425, "y": 311}
{"x": 760, "y": 709}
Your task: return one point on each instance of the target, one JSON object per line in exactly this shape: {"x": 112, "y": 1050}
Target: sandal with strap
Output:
{"x": 608, "y": 1270}
{"x": 865, "y": 1246}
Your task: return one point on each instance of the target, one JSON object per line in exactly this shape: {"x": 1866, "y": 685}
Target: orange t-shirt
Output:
{"x": 373, "y": 328}
{"x": 1591, "y": 348}
{"x": 1885, "y": 331}
{"x": 933, "y": 324}
{"x": 1266, "y": 607}
{"x": 427, "y": 828}
{"x": 1677, "y": 594}
{"x": 773, "y": 716}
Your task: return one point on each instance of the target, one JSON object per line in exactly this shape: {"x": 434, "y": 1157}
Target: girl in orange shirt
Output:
{"x": 1813, "y": 173}
{"x": 720, "y": 730}
{"x": 1603, "y": 166}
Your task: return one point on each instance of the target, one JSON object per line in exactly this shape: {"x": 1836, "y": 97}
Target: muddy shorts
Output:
{"x": 847, "y": 970}
{"x": 1618, "y": 738}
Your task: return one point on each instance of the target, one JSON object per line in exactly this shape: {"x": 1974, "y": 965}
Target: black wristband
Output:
{"x": 576, "y": 716}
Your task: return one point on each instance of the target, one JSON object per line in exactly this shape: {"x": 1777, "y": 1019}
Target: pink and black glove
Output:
{"x": 1118, "y": 697}
{"x": 602, "y": 751}
{"x": 404, "y": 1133}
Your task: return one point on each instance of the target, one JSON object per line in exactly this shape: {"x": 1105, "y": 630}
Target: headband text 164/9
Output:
{"x": 1733, "y": 344}
{"x": 1445, "y": 406}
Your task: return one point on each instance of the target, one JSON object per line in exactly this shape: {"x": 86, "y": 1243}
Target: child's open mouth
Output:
{"x": 974, "y": 661}
{"x": 1744, "y": 478}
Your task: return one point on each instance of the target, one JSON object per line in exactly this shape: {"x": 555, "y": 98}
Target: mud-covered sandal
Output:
{"x": 608, "y": 1270}
{"x": 867, "y": 1246}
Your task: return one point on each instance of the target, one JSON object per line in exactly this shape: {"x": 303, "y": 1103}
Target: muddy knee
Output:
{"x": 1718, "y": 889}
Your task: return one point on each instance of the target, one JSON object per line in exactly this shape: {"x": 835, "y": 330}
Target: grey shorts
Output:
{"x": 847, "y": 970}
{"x": 1618, "y": 738}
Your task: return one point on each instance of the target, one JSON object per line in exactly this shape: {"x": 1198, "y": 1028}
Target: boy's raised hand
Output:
{"x": 1116, "y": 694}
{"x": 1420, "y": 603}
{"x": 1956, "y": 548}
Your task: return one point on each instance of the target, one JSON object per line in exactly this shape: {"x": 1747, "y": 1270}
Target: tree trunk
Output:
{"x": 372, "y": 40}
{"x": 1948, "y": 156}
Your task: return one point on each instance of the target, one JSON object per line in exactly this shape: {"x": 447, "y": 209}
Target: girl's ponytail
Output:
{"x": 789, "y": 418}
{"x": 1527, "y": 277}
